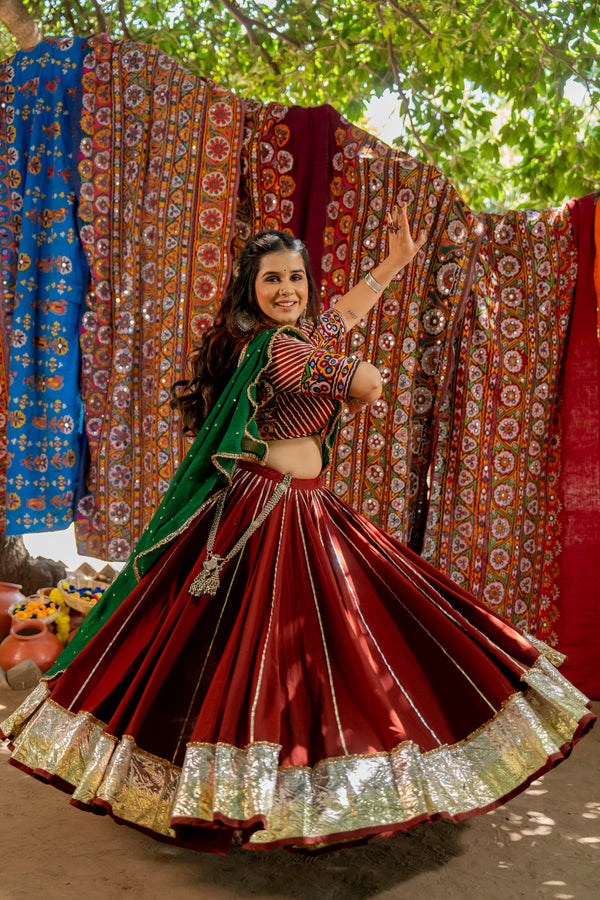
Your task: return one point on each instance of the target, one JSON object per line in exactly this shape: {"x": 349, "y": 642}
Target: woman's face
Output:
{"x": 281, "y": 286}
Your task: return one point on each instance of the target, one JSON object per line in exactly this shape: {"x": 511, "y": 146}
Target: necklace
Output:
{"x": 208, "y": 579}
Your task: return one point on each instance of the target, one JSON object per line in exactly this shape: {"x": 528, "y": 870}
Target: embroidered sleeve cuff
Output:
{"x": 331, "y": 330}
{"x": 329, "y": 375}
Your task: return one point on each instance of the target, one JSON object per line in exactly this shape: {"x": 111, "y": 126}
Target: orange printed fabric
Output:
{"x": 332, "y": 184}
{"x": 159, "y": 167}
{"x": 493, "y": 522}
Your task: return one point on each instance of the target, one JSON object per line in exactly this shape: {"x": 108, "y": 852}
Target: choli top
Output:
{"x": 300, "y": 390}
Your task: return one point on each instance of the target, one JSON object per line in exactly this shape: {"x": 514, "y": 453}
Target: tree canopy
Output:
{"x": 503, "y": 96}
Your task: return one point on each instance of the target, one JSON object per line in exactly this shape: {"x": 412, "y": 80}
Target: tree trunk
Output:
{"x": 18, "y": 567}
{"x": 21, "y": 24}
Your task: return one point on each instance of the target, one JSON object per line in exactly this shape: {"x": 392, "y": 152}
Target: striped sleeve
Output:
{"x": 299, "y": 367}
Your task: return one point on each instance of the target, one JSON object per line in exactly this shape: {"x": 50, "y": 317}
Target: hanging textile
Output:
{"x": 382, "y": 455}
{"x": 3, "y": 424}
{"x": 469, "y": 339}
{"x": 578, "y": 582}
{"x": 43, "y": 278}
{"x": 506, "y": 283}
{"x": 493, "y": 513}
{"x": 6, "y": 295}
{"x": 158, "y": 169}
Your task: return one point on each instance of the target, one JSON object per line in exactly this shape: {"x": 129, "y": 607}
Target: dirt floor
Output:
{"x": 544, "y": 843}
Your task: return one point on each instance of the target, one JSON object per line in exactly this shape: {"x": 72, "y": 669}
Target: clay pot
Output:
{"x": 75, "y": 618}
{"x": 9, "y": 594}
{"x": 29, "y": 639}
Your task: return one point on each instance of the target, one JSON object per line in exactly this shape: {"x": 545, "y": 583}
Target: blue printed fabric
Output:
{"x": 44, "y": 278}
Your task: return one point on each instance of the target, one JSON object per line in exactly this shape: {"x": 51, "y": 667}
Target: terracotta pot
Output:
{"x": 75, "y": 618}
{"x": 9, "y": 594}
{"x": 29, "y": 639}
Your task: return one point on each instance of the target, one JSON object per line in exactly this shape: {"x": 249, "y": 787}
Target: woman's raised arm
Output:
{"x": 401, "y": 250}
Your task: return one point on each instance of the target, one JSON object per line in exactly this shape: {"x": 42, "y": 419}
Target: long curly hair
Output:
{"x": 239, "y": 320}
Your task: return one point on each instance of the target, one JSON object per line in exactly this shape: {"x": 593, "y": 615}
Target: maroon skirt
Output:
{"x": 336, "y": 687}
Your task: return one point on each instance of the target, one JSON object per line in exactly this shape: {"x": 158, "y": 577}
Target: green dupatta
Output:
{"x": 205, "y": 471}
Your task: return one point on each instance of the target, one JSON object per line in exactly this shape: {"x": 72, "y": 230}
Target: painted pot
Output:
{"x": 29, "y": 639}
{"x": 9, "y": 594}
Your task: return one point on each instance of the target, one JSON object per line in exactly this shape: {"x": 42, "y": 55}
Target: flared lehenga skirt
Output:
{"x": 336, "y": 687}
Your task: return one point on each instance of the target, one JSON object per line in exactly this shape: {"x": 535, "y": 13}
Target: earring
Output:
{"x": 246, "y": 320}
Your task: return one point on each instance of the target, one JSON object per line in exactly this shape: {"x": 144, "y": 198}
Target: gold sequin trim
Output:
{"x": 338, "y": 796}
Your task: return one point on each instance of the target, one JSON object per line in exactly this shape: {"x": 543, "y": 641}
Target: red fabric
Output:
{"x": 311, "y": 146}
{"x": 326, "y": 637}
{"x": 324, "y": 626}
{"x": 597, "y": 266}
{"x": 153, "y": 649}
{"x": 578, "y": 627}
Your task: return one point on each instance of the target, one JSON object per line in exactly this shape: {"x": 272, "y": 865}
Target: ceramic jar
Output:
{"x": 9, "y": 594}
{"x": 29, "y": 639}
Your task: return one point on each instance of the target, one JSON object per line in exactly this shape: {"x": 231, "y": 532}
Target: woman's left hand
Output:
{"x": 401, "y": 250}
{"x": 401, "y": 247}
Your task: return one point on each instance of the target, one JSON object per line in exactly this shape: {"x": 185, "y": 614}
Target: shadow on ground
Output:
{"x": 358, "y": 873}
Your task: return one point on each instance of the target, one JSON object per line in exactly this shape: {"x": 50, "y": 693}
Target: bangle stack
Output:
{"x": 373, "y": 284}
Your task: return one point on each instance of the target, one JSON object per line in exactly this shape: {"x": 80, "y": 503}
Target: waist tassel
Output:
{"x": 208, "y": 579}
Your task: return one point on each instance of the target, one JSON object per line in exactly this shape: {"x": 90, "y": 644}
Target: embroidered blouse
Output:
{"x": 300, "y": 390}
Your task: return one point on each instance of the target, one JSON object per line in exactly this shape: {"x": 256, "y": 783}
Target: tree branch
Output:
{"x": 21, "y": 24}
{"x": 553, "y": 53}
{"x": 409, "y": 14}
{"x": 404, "y": 99}
{"x": 248, "y": 26}
{"x": 68, "y": 14}
{"x": 123, "y": 19}
{"x": 101, "y": 18}
{"x": 69, "y": 17}
{"x": 280, "y": 35}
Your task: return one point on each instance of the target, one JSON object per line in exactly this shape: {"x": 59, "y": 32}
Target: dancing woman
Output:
{"x": 271, "y": 667}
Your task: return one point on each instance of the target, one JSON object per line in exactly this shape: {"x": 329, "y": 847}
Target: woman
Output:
{"x": 272, "y": 668}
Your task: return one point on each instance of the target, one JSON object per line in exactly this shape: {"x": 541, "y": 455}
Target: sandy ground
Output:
{"x": 544, "y": 843}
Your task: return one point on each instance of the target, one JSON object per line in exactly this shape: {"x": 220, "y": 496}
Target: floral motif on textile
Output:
{"x": 266, "y": 187}
{"x": 44, "y": 277}
{"x": 493, "y": 518}
{"x": 158, "y": 168}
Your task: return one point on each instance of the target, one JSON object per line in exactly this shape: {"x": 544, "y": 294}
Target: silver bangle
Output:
{"x": 373, "y": 284}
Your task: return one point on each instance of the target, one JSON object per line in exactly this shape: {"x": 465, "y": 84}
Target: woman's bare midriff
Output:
{"x": 300, "y": 457}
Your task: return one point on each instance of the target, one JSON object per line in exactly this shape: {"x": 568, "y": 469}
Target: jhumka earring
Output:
{"x": 246, "y": 320}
